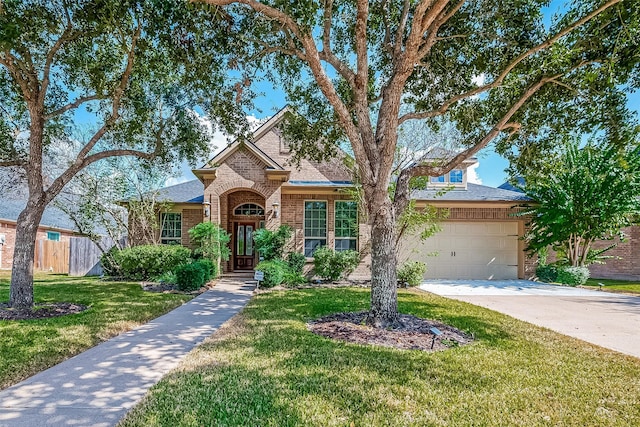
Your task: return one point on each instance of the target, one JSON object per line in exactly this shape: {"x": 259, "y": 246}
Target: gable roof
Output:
{"x": 185, "y": 192}
{"x": 257, "y": 134}
{"x": 508, "y": 186}
{"x": 473, "y": 193}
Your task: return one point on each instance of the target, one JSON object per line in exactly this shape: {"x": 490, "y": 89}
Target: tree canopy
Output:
{"x": 138, "y": 70}
{"x": 360, "y": 70}
{"x": 581, "y": 195}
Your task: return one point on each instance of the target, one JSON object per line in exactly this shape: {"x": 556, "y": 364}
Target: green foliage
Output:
{"x": 190, "y": 277}
{"x": 296, "y": 261}
{"x": 210, "y": 269}
{"x": 573, "y": 276}
{"x": 293, "y": 278}
{"x": 270, "y": 244}
{"x": 419, "y": 221}
{"x": 565, "y": 274}
{"x": 412, "y": 273}
{"x": 547, "y": 273}
{"x": 582, "y": 195}
{"x": 332, "y": 265}
{"x": 212, "y": 241}
{"x": 274, "y": 272}
{"x": 168, "y": 277}
{"x": 145, "y": 262}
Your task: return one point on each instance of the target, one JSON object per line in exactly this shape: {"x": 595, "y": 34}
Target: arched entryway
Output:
{"x": 245, "y": 214}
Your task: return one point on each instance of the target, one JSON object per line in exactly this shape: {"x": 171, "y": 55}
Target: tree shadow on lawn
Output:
{"x": 273, "y": 368}
{"x": 265, "y": 368}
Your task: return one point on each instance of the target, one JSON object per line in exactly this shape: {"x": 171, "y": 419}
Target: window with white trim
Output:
{"x": 171, "y": 231}
{"x": 315, "y": 226}
{"x": 53, "y": 235}
{"x": 436, "y": 179}
{"x": 455, "y": 176}
{"x": 346, "y": 225}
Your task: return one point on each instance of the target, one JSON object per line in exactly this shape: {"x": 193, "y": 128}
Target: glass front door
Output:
{"x": 244, "y": 255}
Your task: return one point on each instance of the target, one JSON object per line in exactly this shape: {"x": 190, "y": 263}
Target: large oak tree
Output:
{"x": 135, "y": 69}
{"x": 358, "y": 70}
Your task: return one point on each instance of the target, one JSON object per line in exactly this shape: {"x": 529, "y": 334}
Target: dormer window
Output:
{"x": 455, "y": 176}
{"x": 437, "y": 179}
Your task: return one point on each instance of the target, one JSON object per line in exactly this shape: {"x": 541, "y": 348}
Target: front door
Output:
{"x": 244, "y": 255}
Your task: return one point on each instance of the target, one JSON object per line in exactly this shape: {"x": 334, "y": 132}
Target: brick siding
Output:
{"x": 9, "y": 230}
{"x": 627, "y": 267}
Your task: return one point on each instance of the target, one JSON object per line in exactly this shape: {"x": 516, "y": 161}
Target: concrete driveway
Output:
{"x": 605, "y": 319}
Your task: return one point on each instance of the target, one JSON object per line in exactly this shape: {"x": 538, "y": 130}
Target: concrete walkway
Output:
{"x": 602, "y": 318}
{"x": 97, "y": 387}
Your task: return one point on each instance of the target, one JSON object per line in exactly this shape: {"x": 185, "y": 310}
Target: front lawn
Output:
{"x": 615, "y": 285}
{"x": 30, "y": 346}
{"x": 265, "y": 368}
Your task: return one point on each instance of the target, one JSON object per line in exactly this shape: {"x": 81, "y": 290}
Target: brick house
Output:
{"x": 252, "y": 184}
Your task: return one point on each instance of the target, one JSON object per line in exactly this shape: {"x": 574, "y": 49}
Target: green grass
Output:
{"x": 616, "y": 285}
{"x": 30, "y": 346}
{"x": 265, "y": 368}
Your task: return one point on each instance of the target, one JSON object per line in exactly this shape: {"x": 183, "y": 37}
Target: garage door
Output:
{"x": 467, "y": 250}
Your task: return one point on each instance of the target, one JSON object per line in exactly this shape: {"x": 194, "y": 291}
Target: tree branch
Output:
{"x": 58, "y": 184}
{"x": 75, "y": 104}
{"x": 429, "y": 169}
{"x": 8, "y": 163}
{"x": 498, "y": 81}
{"x": 65, "y": 37}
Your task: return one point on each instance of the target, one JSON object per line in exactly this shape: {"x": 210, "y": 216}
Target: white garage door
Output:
{"x": 467, "y": 250}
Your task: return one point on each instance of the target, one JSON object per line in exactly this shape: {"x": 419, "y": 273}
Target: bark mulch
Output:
{"x": 40, "y": 311}
{"x": 410, "y": 332}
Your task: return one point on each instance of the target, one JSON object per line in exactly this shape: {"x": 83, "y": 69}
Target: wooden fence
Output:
{"x": 84, "y": 259}
{"x": 52, "y": 256}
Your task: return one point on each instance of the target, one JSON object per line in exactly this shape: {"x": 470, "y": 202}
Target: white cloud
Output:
{"x": 472, "y": 174}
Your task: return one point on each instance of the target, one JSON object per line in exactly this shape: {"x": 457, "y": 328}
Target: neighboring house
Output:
{"x": 55, "y": 225}
{"x": 250, "y": 185}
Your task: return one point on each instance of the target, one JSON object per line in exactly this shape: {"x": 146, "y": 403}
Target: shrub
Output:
{"x": 412, "y": 272}
{"x": 332, "y": 265}
{"x": 296, "y": 261}
{"x": 293, "y": 278}
{"x": 573, "y": 276}
{"x": 547, "y": 273}
{"x": 146, "y": 261}
{"x": 212, "y": 241}
{"x": 168, "y": 277}
{"x": 210, "y": 269}
{"x": 274, "y": 272}
{"x": 270, "y": 244}
{"x": 190, "y": 277}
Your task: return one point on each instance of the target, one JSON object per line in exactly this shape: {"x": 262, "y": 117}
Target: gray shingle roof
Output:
{"x": 186, "y": 192}
{"x": 53, "y": 217}
{"x": 473, "y": 193}
{"x": 507, "y": 185}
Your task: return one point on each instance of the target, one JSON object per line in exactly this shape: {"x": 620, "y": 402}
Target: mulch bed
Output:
{"x": 40, "y": 311}
{"x": 410, "y": 333}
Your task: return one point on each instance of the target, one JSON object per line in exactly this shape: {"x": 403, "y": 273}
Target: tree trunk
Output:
{"x": 384, "y": 292}
{"x": 21, "y": 292}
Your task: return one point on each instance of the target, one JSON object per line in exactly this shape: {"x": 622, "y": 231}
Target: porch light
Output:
{"x": 276, "y": 211}
{"x": 206, "y": 209}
